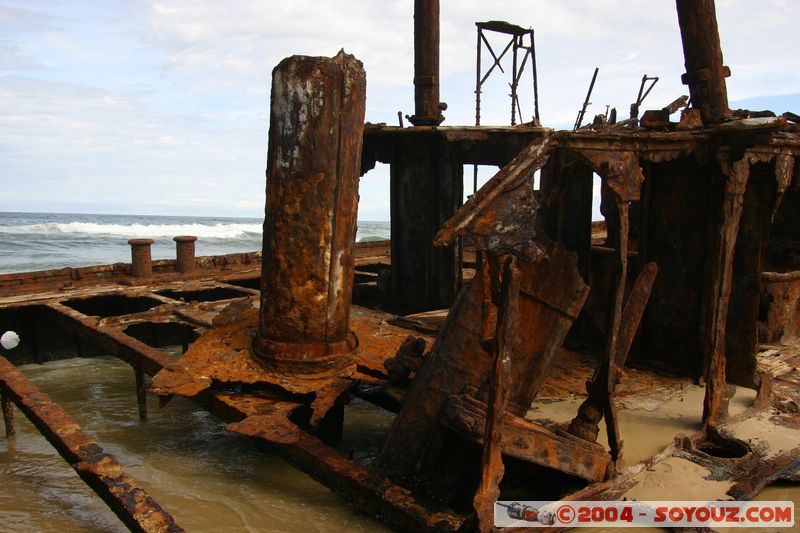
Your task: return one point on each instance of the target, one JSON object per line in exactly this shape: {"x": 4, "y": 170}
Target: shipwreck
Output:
{"x": 473, "y": 313}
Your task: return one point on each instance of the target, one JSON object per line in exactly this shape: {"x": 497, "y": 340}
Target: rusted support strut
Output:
{"x": 601, "y": 388}
{"x": 502, "y": 298}
{"x": 137, "y": 510}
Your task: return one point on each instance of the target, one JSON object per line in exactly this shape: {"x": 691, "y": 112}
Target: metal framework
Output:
{"x": 516, "y": 43}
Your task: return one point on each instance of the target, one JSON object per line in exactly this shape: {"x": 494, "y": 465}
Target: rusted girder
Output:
{"x": 705, "y": 73}
{"x": 314, "y": 157}
{"x": 137, "y": 510}
{"x": 504, "y": 296}
{"x": 373, "y": 493}
{"x": 601, "y": 388}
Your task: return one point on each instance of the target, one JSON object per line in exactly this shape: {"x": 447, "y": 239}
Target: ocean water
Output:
{"x": 41, "y": 241}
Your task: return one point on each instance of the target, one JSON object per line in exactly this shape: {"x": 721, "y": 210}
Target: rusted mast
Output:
{"x": 427, "y": 108}
{"x": 313, "y": 166}
{"x": 705, "y": 74}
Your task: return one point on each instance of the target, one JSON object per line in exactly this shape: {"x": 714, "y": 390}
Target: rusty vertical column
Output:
{"x": 705, "y": 73}
{"x": 427, "y": 108}
{"x": 141, "y": 260}
{"x": 313, "y": 166}
{"x": 184, "y": 253}
{"x": 8, "y": 412}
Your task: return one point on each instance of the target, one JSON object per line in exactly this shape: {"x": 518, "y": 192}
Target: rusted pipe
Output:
{"x": 141, "y": 260}
{"x": 184, "y": 254}
{"x": 705, "y": 73}
{"x": 313, "y": 166}
{"x": 427, "y": 108}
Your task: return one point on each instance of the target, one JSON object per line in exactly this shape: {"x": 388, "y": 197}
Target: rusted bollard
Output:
{"x": 141, "y": 260}
{"x": 184, "y": 253}
{"x": 313, "y": 167}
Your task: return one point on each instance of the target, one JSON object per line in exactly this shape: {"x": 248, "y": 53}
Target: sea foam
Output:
{"x": 208, "y": 231}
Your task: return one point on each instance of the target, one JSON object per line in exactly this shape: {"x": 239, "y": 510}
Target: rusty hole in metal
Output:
{"x": 43, "y": 338}
{"x": 262, "y": 390}
{"x": 527, "y": 481}
{"x": 247, "y": 283}
{"x": 166, "y": 336}
{"x": 107, "y": 305}
{"x": 365, "y": 429}
{"x": 203, "y": 295}
{"x": 718, "y": 445}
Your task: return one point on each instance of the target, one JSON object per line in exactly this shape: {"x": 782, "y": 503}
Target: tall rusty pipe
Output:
{"x": 427, "y": 108}
{"x": 705, "y": 73}
{"x": 313, "y": 167}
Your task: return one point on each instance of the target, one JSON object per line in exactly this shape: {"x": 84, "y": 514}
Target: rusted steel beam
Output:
{"x": 427, "y": 108}
{"x": 372, "y": 493}
{"x": 705, "y": 73}
{"x": 590, "y": 412}
{"x": 612, "y": 349}
{"x": 314, "y": 157}
{"x": 528, "y": 441}
{"x": 130, "y": 350}
{"x": 726, "y": 230}
{"x": 750, "y": 482}
{"x": 622, "y": 174}
{"x": 500, "y": 346}
{"x": 137, "y": 510}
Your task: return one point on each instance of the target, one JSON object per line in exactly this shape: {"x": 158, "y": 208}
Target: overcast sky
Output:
{"x": 162, "y": 107}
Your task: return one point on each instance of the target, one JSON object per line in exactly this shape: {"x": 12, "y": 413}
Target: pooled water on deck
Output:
{"x": 206, "y": 477}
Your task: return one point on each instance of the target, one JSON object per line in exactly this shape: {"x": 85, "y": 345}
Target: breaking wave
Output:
{"x": 208, "y": 231}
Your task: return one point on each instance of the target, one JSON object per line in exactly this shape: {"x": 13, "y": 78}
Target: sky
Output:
{"x": 162, "y": 107}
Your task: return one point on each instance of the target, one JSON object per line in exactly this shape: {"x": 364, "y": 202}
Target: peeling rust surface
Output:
{"x": 314, "y": 156}
{"x": 137, "y": 510}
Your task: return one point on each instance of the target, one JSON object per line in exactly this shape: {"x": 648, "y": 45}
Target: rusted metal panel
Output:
{"x": 529, "y": 441}
{"x": 426, "y": 188}
{"x": 137, "y": 510}
{"x": 477, "y": 217}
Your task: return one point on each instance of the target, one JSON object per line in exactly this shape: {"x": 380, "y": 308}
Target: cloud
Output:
{"x": 164, "y": 105}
